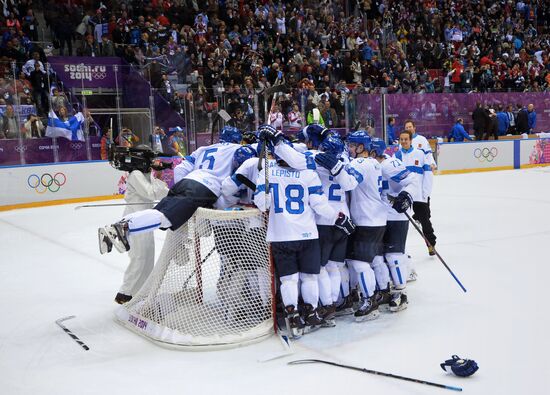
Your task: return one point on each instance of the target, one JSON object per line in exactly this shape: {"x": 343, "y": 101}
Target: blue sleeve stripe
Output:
{"x": 385, "y": 185}
{"x": 310, "y": 161}
{"x": 235, "y": 180}
{"x": 190, "y": 159}
{"x": 260, "y": 188}
{"x": 415, "y": 169}
{"x": 426, "y": 151}
{"x": 399, "y": 177}
{"x": 427, "y": 168}
{"x": 352, "y": 172}
{"x": 315, "y": 190}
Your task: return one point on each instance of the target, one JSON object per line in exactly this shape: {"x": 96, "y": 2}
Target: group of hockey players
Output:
{"x": 337, "y": 214}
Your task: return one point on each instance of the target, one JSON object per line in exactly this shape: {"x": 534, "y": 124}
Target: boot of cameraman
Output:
{"x": 140, "y": 187}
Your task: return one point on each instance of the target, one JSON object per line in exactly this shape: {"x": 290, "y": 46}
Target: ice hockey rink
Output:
{"x": 493, "y": 230}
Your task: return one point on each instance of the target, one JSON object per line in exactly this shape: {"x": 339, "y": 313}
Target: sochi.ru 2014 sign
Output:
{"x": 87, "y": 72}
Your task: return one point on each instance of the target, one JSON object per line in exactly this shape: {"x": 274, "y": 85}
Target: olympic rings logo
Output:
{"x": 46, "y": 182}
{"x": 76, "y": 146}
{"x": 20, "y": 148}
{"x": 99, "y": 75}
{"x": 485, "y": 154}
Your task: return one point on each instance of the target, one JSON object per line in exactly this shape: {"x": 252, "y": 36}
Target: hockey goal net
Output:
{"x": 211, "y": 286}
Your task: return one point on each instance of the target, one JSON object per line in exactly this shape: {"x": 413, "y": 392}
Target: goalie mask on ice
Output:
{"x": 460, "y": 367}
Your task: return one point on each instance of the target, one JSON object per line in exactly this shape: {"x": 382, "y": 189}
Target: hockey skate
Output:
{"x": 398, "y": 301}
{"x": 383, "y": 298}
{"x": 312, "y": 319}
{"x": 355, "y": 298}
{"x": 345, "y": 308}
{"x": 367, "y": 311}
{"x": 115, "y": 234}
{"x": 294, "y": 323}
{"x": 328, "y": 313}
{"x": 105, "y": 244}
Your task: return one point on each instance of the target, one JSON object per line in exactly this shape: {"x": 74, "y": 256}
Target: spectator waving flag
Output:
{"x": 70, "y": 129}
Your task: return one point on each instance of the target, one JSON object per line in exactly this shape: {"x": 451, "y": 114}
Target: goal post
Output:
{"x": 211, "y": 286}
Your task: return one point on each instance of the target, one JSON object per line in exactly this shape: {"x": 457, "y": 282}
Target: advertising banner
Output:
{"x": 29, "y": 184}
{"x": 86, "y": 72}
{"x": 476, "y": 156}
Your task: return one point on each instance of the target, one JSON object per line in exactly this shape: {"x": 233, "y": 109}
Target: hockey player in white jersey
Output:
{"x": 398, "y": 184}
{"x": 419, "y": 164}
{"x": 242, "y": 181}
{"x": 198, "y": 184}
{"x": 421, "y": 208}
{"x": 294, "y": 198}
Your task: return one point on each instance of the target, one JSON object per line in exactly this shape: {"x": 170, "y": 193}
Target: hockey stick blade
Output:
{"x": 71, "y": 334}
{"x": 287, "y": 346}
{"x": 394, "y": 376}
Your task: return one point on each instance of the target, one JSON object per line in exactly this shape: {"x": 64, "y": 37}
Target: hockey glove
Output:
{"x": 329, "y": 162}
{"x": 269, "y": 133}
{"x": 402, "y": 202}
{"x": 460, "y": 367}
{"x": 345, "y": 224}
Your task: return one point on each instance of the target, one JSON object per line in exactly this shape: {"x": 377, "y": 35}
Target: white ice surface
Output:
{"x": 493, "y": 231}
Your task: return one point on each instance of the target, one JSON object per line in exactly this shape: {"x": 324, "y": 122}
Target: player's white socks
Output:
{"x": 398, "y": 269}
{"x": 367, "y": 280}
{"x": 353, "y": 277}
{"x": 146, "y": 221}
{"x": 381, "y": 272}
{"x": 325, "y": 293}
{"x": 335, "y": 278}
{"x": 289, "y": 289}
{"x": 344, "y": 280}
{"x": 310, "y": 288}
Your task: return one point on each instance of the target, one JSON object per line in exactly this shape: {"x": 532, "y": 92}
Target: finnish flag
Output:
{"x": 70, "y": 129}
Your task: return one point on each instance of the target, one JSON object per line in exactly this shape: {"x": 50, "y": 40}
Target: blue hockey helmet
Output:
{"x": 360, "y": 137}
{"x": 241, "y": 154}
{"x": 313, "y": 134}
{"x": 378, "y": 145}
{"x": 230, "y": 134}
{"x": 332, "y": 144}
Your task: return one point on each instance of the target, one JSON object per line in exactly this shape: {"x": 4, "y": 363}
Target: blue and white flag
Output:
{"x": 70, "y": 129}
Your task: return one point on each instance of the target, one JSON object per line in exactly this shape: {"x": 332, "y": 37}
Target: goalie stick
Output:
{"x": 376, "y": 372}
{"x": 71, "y": 334}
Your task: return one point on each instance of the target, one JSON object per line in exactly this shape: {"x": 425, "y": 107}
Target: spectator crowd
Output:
{"x": 314, "y": 53}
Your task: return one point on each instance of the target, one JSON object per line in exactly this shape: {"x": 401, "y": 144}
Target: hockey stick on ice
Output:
{"x": 436, "y": 253}
{"x": 393, "y": 376}
{"x": 113, "y": 204}
{"x": 71, "y": 334}
{"x": 392, "y": 199}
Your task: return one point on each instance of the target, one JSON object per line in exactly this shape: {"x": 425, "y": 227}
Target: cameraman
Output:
{"x": 140, "y": 187}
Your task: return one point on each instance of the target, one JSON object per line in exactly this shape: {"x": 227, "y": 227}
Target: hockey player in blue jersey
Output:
{"x": 294, "y": 198}
{"x": 397, "y": 186}
{"x": 198, "y": 183}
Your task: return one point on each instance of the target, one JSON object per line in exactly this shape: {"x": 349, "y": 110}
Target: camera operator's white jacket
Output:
{"x": 141, "y": 187}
